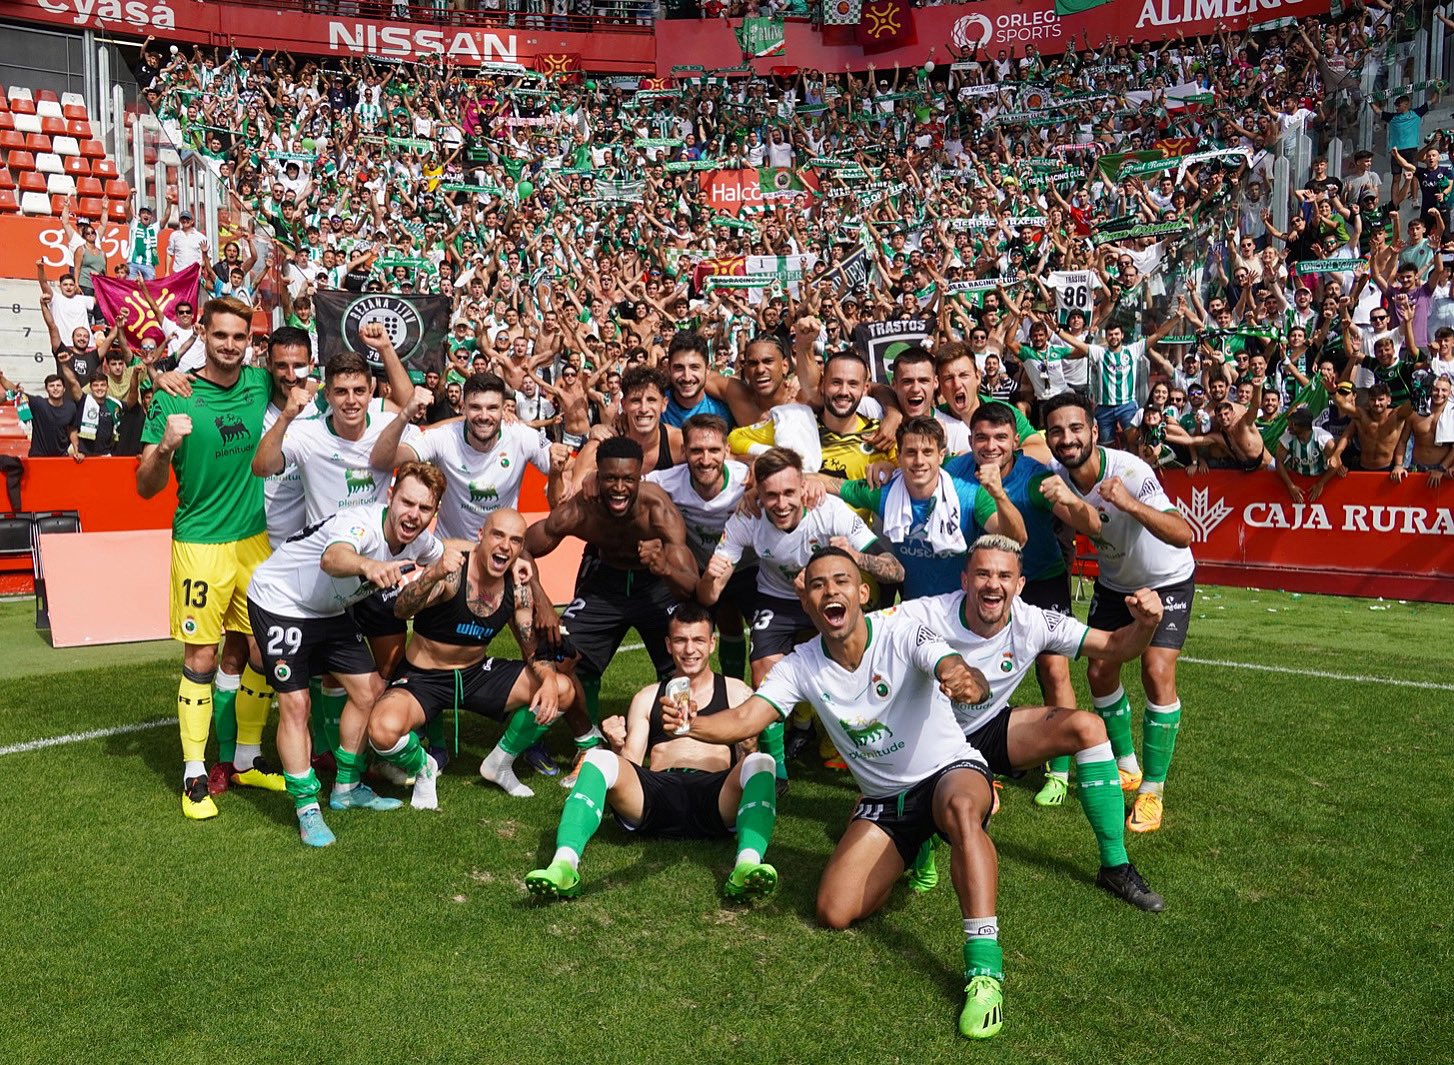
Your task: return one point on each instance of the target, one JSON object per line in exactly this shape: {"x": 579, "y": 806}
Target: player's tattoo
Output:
{"x": 882, "y": 567}
{"x": 415, "y": 597}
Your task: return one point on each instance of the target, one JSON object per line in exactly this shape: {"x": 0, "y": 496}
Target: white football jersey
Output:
{"x": 292, "y": 583}
{"x": 283, "y": 492}
{"x": 888, "y": 718}
{"x": 1003, "y": 658}
{"x": 705, "y": 518}
{"x": 782, "y": 555}
{"x": 1130, "y": 557}
{"x": 479, "y": 482}
{"x": 336, "y": 472}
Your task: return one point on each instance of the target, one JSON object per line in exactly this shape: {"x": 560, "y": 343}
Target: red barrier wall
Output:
{"x": 262, "y": 27}
{"x": 1364, "y": 535}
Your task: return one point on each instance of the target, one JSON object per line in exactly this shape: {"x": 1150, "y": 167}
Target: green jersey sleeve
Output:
{"x": 860, "y": 496}
{"x": 984, "y": 507}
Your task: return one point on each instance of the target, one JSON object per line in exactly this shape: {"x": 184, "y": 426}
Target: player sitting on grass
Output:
{"x": 878, "y": 684}
{"x": 459, "y": 605}
{"x": 1002, "y": 636}
{"x": 298, "y": 604}
{"x": 693, "y": 790}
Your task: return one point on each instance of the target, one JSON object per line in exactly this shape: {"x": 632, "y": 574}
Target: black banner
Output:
{"x": 416, "y": 324}
{"x": 882, "y": 342}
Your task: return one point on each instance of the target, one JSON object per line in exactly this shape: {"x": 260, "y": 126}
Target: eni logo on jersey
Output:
{"x": 358, "y": 481}
{"x": 233, "y": 434}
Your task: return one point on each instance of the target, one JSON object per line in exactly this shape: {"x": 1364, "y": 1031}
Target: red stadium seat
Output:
{"x": 22, "y": 106}
{"x": 74, "y": 112}
{"x": 37, "y": 142}
{"x": 4, "y": 102}
{"x": 93, "y": 149}
{"x": 6, "y": 121}
{"x": 90, "y": 207}
{"x": 103, "y": 168}
{"x": 47, "y": 94}
{"x": 79, "y": 128}
{"x": 8, "y": 202}
{"x": 53, "y": 126}
{"x": 32, "y": 182}
{"x": 77, "y": 166}
{"x": 116, "y": 211}
{"x": 21, "y": 161}
{"x": 118, "y": 190}
{"x": 6, "y": 180}
{"x": 58, "y": 204}
{"x": 89, "y": 186}
{"x": 11, "y": 141}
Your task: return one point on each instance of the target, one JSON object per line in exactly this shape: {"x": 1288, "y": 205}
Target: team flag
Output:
{"x": 842, "y": 12}
{"x": 565, "y": 65}
{"x": 416, "y": 324}
{"x": 119, "y": 297}
{"x": 761, "y": 37}
{"x": 885, "y": 24}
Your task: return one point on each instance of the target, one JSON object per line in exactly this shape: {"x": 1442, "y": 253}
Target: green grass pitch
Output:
{"x": 1305, "y": 862}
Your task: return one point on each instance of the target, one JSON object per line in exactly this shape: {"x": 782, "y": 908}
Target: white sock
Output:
{"x": 570, "y": 857}
{"x": 395, "y": 749}
{"x": 193, "y": 769}
{"x": 982, "y": 928}
{"x": 1151, "y": 787}
{"x": 246, "y": 754}
{"x": 304, "y": 809}
{"x": 1063, "y": 777}
{"x": 1101, "y": 752}
{"x": 340, "y": 788}
{"x": 227, "y": 682}
{"x": 747, "y": 854}
{"x": 426, "y": 785}
{"x": 499, "y": 768}
{"x": 606, "y": 763}
{"x": 593, "y": 733}
{"x": 1128, "y": 763}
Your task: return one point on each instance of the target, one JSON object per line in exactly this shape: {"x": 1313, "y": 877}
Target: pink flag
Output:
{"x": 117, "y": 297}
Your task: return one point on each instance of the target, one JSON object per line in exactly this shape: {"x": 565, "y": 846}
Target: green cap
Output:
{"x": 417, "y": 376}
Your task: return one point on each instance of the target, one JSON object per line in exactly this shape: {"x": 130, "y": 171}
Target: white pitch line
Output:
{"x": 119, "y": 730}
{"x": 1354, "y": 677}
{"x": 78, "y": 737}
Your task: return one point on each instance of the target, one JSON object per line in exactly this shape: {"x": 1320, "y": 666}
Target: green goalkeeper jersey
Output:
{"x": 219, "y": 500}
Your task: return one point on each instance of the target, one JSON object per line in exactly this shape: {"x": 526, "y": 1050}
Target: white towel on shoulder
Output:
{"x": 943, "y": 524}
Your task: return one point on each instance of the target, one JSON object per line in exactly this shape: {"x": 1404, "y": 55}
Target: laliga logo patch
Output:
{"x": 402, "y": 323}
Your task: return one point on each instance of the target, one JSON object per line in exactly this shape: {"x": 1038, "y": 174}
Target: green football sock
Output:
{"x": 584, "y": 808}
{"x": 732, "y": 656}
{"x": 434, "y": 731}
{"x": 592, "y": 687}
{"x": 315, "y": 716}
{"x": 1098, "y": 783}
{"x": 924, "y": 860}
{"x": 1115, "y": 711}
{"x": 1159, "y": 730}
{"x": 224, "y": 714}
{"x": 522, "y": 731}
{"x": 410, "y": 757}
{"x": 350, "y": 766}
{"x": 756, "y": 811}
{"x": 771, "y": 742}
{"x": 982, "y": 953}
{"x": 303, "y": 790}
{"x": 330, "y": 712}
{"x": 1059, "y": 767}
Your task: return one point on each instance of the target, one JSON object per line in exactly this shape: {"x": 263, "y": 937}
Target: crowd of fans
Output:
{"x": 1012, "y": 202}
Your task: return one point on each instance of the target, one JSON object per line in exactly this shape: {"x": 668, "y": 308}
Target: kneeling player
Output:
{"x": 1002, "y": 635}
{"x": 693, "y": 790}
{"x": 878, "y": 684}
{"x": 298, "y": 605}
{"x": 458, "y": 607}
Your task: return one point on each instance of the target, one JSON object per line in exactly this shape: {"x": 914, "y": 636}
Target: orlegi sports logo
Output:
{"x": 1017, "y": 27}
{"x": 399, "y": 318}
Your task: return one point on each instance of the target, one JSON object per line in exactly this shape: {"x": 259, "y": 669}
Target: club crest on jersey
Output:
{"x": 282, "y": 671}
{"x": 504, "y": 462}
{"x": 880, "y": 686}
{"x": 189, "y": 626}
{"x": 1007, "y": 662}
